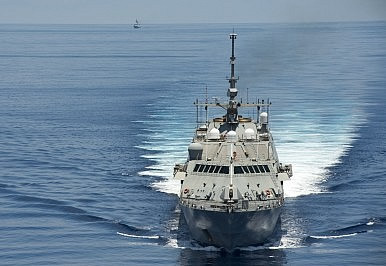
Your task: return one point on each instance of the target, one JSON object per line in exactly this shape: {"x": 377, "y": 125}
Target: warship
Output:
{"x": 232, "y": 182}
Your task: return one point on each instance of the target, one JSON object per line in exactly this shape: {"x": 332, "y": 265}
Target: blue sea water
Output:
{"x": 93, "y": 118}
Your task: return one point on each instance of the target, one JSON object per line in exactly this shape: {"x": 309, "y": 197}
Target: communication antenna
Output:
{"x": 233, "y": 79}
{"x": 248, "y": 101}
{"x": 206, "y": 104}
{"x": 197, "y": 113}
{"x": 232, "y": 113}
{"x": 268, "y": 102}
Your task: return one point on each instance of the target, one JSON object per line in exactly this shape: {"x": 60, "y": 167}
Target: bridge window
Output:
{"x": 250, "y": 168}
{"x": 261, "y": 168}
{"x": 245, "y": 169}
{"x": 217, "y": 169}
{"x": 256, "y": 168}
{"x": 211, "y": 168}
{"x": 241, "y": 169}
{"x": 206, "y": 168}
{"x": 238, "y": 170}
{"x": 196, "y": 167}
{"x": 224, "y": 170}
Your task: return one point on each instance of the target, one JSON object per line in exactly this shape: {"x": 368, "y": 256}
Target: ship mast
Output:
{"x": 232, "y": 105}
{"x": 232, "y": 115}
{"x": 232, "y": 79}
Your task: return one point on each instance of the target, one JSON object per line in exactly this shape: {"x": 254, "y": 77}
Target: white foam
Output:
{"x": 167, "y": 145}
{"x": 152, "y": 173}
{"x": 173, "y": 243}
{"x": 136, "y": 236}
{"x": 311, "y": 150}
{"x": 333, "y": 237}
{"x": 141, "y": 243}
{"x": 170, "y": 186}
{"x": 287, "y": 242}
{"x": 166, "y": 156}
{"x": 163, "y": 148}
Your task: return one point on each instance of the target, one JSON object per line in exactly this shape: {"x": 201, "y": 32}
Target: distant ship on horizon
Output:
{"x": 136, "y": 25}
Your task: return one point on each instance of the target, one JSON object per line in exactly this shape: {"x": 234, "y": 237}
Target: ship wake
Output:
{"x": 311, "y": 147}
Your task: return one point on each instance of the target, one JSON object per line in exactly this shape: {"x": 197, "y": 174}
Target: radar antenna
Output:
{"x": 232, "y": 116}
{"x": 233, "y": 79}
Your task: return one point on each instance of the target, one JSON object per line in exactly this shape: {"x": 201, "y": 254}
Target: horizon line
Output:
{"x": 195, "y": 23}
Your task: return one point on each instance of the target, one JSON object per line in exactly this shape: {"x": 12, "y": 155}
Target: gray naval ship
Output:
{"x": 232, "y": 183}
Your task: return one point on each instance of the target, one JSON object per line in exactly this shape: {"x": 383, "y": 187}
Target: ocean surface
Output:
{"x": 93, "y": 118}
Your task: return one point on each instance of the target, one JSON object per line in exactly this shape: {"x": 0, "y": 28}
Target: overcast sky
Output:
{"x": 188, "y": 11}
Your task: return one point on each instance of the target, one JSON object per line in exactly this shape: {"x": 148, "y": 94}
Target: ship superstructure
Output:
{"x": 232, "y": 183}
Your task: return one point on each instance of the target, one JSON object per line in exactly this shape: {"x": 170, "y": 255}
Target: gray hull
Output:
{"x": 231, "y": 230}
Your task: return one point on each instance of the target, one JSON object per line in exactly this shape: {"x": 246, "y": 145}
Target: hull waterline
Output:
{"x": 231, "y": 230}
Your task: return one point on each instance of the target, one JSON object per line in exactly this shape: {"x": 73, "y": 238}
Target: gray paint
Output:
{"x": 231, "y": 195}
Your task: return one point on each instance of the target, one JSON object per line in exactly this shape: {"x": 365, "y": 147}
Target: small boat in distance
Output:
{"x": 136, "y": 25}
